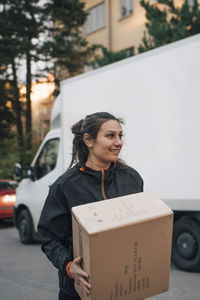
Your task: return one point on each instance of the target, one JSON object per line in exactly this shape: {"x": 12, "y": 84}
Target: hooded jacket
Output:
{"x": 79, "y": 185}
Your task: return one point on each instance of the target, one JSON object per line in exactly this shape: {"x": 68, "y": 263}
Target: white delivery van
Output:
{"x": 158, "y": 95}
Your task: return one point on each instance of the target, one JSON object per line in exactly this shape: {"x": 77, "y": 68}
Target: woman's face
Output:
{"x": 106, "y": 148}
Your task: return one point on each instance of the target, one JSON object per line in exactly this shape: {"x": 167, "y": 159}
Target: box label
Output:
{"x": 135, "y": 281}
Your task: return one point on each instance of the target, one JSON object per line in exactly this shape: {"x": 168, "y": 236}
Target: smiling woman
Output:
{"x": 106, "y": 147}
{"x": 97, "y": 140}
{"x": 98, "y": 175}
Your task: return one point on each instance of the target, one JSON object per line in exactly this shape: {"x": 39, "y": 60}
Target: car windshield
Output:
{"x": 8, "y": 185}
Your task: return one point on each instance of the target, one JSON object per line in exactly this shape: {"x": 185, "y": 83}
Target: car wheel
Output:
{"x": 25, "y": 226}
{"x": 186, "y": 244}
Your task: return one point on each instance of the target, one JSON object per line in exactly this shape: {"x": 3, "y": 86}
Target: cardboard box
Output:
{"x": 126, "y": 246}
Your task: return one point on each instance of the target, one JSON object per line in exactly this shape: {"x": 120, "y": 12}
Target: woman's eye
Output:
{"x": 111, "y": 135}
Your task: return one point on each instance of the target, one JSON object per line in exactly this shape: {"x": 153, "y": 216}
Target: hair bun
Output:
{"x": 76, "y": 128}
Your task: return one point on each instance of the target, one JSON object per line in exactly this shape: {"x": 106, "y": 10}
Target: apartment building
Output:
{"x": 116, "y": 24}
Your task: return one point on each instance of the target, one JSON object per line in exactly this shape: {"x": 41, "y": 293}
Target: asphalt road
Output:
{"x": 26, "y": 274}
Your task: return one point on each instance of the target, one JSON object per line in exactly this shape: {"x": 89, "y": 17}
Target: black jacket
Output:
{"x": 77, "y": 186}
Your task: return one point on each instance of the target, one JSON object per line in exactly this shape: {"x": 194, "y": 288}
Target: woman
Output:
{"x": 98, "y": 175}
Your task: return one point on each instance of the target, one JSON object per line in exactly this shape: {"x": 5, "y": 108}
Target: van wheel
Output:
{"x": 25, "y": 226}
{"x": 186, "y": 245}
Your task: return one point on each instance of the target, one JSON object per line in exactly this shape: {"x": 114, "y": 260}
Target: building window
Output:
{"x": 96, "y": 18}
{"x": 126, "y": 8}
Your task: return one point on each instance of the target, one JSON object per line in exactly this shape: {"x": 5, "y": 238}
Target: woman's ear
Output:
{"x": 88, "y": 141}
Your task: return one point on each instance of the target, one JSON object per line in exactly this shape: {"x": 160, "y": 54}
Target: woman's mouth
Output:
{"x": 115, "y": 151}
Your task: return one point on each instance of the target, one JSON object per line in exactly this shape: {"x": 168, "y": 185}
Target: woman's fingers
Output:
{"x": 85, "y": 289}
{"x": 84, "y": 284}
{"x": 78, "y": 260}
{"x": 79, "y": 275}
{"x": 76, "y": 270}
{"x": 82, "y": 273}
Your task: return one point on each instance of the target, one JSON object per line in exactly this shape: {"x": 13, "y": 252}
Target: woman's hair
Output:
{"x": 91, "y": 126}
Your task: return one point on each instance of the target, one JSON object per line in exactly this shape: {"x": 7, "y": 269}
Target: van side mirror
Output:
{"x": 31, "y": 173}
{"x": 23, "y": 172}
{"x": 18, "y": 172}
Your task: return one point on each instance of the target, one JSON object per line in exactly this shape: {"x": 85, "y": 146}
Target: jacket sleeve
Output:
{"x": 140, "y": 184}
{"x": 136, "y": 180}
{"x": 54, "y": 229}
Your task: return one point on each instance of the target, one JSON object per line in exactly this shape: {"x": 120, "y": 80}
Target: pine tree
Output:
{"x": 109, "y": 57}
{"x": 20, "y": 24}
{"x": 51, "y": 33}
{"x": 6, "y": 114}
{"x": 167, "y": 22}
{"x": 65, "y": 43}
{"x": 26, "y": 19}
{"x": 9, "y": 46}
{"x": 29, "y": 32}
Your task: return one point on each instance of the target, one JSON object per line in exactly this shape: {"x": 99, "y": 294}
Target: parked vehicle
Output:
{"x": 7, "y": 198}
{"x": 157, "y": 93}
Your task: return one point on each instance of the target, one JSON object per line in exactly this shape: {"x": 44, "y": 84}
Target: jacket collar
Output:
{"x": 97, "y": 174}
{"x": 83, "y": 168}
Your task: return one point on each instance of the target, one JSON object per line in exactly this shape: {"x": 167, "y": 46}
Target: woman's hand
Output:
{"x": 79, "y": 275}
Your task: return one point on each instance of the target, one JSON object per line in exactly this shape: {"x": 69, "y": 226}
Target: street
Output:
{"x": 26, "y": 274}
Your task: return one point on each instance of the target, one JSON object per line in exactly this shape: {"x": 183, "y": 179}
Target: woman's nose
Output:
{"x": 118, "y": 141}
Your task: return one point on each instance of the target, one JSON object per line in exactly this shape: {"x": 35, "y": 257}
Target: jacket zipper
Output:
{"x": 102, "y": 185}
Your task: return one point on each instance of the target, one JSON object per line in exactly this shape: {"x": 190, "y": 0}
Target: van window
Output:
{"x": 47, "y": 159}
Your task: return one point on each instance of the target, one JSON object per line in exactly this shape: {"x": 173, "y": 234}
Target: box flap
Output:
{"x": 112, "y": 213}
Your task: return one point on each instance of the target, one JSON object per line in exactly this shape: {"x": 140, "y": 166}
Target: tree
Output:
{"x": 8, "y": 73}
{"x": 31, "y": 33}
{"x": 20, "y": 24}
{"x": 167, "y": 22}
{"x": 26, "y": 22}
{"x": 65, "y": 43}
{"x": 109, "y": 57}
{"x": 6, "y": 135}
{"x": 6, "y": 115}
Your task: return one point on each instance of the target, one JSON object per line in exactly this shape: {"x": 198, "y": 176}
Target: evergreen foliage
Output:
{"x": 167, "y": 22}
{"x": 65, "y": 42}
{"x": 20, "y": 24}
{"x": 6, "y": 114}
{"x": 9, "y": 154}
{"x": 30, "y": 32}
{"x": 108, "y": 57}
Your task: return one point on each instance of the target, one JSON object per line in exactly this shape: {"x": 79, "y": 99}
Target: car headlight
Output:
{"x": 9, "y": 199}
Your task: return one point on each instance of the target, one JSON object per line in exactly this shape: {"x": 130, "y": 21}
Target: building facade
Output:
{"x": 115, "y": 24}
{"x": 118, "y": 24}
